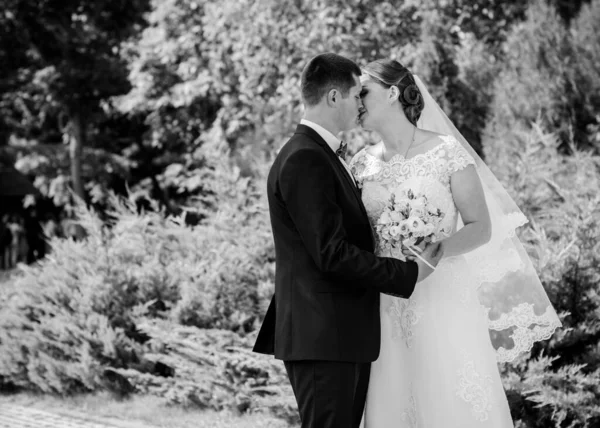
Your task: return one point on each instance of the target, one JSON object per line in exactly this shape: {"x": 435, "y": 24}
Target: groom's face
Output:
{"x": 350, "y": 107}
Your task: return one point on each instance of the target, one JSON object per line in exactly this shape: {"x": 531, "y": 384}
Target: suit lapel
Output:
{"x": 314, "y": 135}
{"x": 338, "y": 163}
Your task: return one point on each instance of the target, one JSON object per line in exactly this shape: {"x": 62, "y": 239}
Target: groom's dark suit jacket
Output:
{"x": 327, "y": 281}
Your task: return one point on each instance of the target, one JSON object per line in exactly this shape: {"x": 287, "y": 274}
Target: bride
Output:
{"x": 437, "y": 366}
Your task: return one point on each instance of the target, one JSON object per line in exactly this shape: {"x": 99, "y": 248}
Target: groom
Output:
{"x": 323, "y": 320}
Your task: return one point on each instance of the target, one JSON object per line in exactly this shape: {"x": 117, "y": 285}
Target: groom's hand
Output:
{"x": 433, "y": 253}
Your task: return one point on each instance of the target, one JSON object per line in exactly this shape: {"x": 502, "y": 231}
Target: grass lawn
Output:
{"x": 139, "y": 412}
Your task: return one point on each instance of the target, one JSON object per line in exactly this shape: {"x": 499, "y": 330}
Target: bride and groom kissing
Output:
{"x": 384, "y": 335}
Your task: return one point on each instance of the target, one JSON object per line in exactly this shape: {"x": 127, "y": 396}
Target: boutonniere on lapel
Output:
{"x": 356, "y": 170}
{"x": 359, "y": 184}
{"x": 342, "y": 150}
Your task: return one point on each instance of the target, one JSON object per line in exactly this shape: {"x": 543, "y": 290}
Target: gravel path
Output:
{"x": 15, "y": 416}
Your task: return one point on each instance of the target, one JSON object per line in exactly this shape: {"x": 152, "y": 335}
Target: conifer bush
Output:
{"x": 213, "y": 369}
{"x": 559, "y": 385}
{"x": 76, "y": 312}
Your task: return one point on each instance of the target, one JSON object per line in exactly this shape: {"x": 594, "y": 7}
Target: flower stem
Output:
{"x": 421, "y": 258}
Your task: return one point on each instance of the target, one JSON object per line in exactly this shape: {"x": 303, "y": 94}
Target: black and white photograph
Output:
{"x": 299, "y": 214}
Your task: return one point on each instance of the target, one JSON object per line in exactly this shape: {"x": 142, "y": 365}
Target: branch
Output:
{"x": 556, "y": 189}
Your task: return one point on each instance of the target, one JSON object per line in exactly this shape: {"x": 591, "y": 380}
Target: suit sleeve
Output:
{"x": 307, "y": 186}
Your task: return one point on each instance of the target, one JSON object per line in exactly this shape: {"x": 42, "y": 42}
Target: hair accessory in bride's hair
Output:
{"x": 411, "y": 94}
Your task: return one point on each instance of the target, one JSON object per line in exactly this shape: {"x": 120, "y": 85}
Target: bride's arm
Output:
{"x": 470, "y": 201}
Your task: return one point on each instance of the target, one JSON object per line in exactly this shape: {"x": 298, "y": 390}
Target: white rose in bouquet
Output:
{"x": 395, "y": 231}
{"x": 429, "y": 229}
{"x": 416, "y": 225}
{"x": 384, "y": 218}
{"x": 404, "y": 228}
{"x": 418, "y": 203}
{"x": 417, "y": 212}
{"x": 396, "y": 217}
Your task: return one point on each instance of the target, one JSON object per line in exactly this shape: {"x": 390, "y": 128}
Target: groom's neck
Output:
{"x": 322, "y": 118}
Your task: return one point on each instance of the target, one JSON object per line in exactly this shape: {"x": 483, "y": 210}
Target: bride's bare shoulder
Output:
{"x": 428, "y": 139}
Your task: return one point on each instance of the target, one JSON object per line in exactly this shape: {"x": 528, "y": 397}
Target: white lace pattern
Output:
{"x": 475, "y": 389}
{"x": 405, "y": 315}
{"x": 410, "y": 414}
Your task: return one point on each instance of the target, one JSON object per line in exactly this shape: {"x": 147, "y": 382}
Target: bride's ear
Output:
{"x": 393, "y": 94}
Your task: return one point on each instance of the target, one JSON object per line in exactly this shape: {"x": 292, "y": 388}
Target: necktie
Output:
{"x": 341, "y": 152}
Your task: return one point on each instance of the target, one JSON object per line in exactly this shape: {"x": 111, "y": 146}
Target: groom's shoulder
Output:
{"x": 297, "y": 152}
{"x": 299, "y": 143}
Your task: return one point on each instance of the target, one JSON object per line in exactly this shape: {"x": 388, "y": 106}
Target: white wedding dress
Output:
{"x": 437, "y": 367}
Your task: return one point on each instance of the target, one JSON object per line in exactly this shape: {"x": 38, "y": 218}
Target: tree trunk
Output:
{"x": 76, "y": 143}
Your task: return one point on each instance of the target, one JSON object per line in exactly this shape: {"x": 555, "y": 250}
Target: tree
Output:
{"x": 70, "y": 51}
{"x": 568, "y": 9}
{"x": 225, "y": 74}
{"x": 550, "y": 73}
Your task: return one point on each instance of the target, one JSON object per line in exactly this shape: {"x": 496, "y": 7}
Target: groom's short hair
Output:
{"x": 325, "y": 72}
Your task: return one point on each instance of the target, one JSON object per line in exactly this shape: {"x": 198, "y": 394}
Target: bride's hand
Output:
{"x": 417, "y": 248}
{"x": 433, "y": 253}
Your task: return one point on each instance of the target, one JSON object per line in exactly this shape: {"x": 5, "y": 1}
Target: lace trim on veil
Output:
{"x": 527, "y": 326}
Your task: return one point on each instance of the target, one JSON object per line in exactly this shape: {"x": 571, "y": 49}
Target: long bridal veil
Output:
{"x": 518, "y": 309}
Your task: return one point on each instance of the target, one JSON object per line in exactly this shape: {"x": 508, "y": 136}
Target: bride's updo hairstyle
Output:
{"x": 388, "y": 73}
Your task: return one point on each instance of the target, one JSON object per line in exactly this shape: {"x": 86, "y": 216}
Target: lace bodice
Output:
{"x": 426, "y": 173}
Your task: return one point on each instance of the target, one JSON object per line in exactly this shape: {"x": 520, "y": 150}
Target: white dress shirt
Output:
{"x": 332, "y": 141}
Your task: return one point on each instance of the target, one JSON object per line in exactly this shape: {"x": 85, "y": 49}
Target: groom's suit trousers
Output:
{"x": 329, "y": 394}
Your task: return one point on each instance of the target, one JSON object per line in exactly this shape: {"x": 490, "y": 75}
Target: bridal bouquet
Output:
{"x": 407, "y": 220}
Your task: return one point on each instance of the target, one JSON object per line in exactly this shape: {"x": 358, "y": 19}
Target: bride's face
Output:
{"x": 376, "y": 103}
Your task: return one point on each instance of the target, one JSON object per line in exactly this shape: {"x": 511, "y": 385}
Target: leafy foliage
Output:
{"x": 550, "y": 72}
{"x": 75, "y": 52}
{"x": 67, "y": 63}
